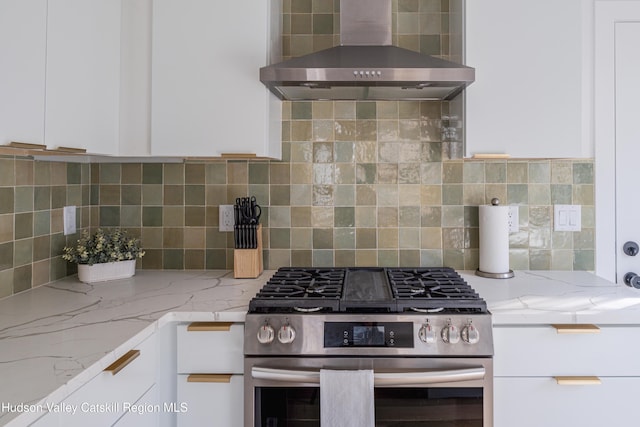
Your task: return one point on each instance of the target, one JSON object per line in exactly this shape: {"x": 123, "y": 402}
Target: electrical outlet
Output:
{"x": 514, "y": 217}
{"x": 226, "y": 218}
{"x": 69, "y": 220}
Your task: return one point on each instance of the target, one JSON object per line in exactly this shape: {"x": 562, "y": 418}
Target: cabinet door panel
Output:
{"x": 207, "y": 98}
{"x": 535, "y": 402}
{"x": 532, "y": 94}
{"x": 144, "y": 413}
{"x": 102, "y": 400}
{"x": 211, "y": 403}
{"x": 541, "y": 351}
{"x": 83, "y": 74}
{"x": 23, "y": 25}
{"x": 49, "y": 420}
{"x": 211, "y": 351}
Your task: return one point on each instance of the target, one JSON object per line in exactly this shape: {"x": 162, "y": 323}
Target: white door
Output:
{"x": 617, "y": 115}
{"x": 627, "y": 54}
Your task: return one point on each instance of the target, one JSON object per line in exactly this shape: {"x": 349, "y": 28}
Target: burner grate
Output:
{"x": 430, "y": 289}
{"x": 311, "y": 290}
{"x": 301, "y": 289}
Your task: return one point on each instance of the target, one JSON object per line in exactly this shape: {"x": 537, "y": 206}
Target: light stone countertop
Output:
{"x": 535, "y": 297}
{"x": 55, "y": 338}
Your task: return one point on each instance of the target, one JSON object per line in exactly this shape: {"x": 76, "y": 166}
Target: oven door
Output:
{"x": 409, "y": 392}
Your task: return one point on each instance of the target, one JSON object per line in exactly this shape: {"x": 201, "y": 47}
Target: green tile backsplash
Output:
{"x": 342, "y": 203}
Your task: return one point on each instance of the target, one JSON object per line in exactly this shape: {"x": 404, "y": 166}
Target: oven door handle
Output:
{"x": 379, "y": 378}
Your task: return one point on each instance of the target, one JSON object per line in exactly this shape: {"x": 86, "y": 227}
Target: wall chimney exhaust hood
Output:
{"x": 366, "y": 66}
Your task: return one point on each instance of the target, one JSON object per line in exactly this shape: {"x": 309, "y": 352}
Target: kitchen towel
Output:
{"x": 494, "y": 239}
{"x": 346, "y": 398}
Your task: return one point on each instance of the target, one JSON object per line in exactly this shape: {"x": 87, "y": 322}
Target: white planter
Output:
{"x": 106, "y": 271}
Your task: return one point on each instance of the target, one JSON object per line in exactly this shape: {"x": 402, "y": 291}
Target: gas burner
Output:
{"x": 427, "y": 310}
{"x": 307, "y": 310}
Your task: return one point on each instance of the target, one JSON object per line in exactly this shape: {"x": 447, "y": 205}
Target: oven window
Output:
{"x": 395, "y": 407}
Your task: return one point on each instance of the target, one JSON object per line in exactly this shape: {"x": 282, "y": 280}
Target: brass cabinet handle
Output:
{"x": 569, "y": 328}
{"x": 122, "y": 362}
{"x": 209, "y": 326}
{"x": 209, "y": 378}
{"x": 239, "y": 155}
{"x": 578, "y": 380}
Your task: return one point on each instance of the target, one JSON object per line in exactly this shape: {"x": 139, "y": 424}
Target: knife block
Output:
{"x": 247, "y": 263}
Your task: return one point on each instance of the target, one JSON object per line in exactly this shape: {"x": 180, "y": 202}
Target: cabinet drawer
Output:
{"x": 543, "y": 351}
{"x": 211, "y": 348}
{"x": 535, "y": 402}
{"x": 216, "y": 402}
{"x": 102, "y": 400}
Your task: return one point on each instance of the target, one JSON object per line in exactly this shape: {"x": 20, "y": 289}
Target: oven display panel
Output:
{"x": 368, "y": 334}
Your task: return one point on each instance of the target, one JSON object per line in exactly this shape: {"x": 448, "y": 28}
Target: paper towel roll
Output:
{"x": 494, "y": 239}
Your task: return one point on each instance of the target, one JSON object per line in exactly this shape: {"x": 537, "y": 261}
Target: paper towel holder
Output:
{"x": 509, "y": 274}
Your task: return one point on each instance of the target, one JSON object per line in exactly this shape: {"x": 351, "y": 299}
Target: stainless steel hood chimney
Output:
{"x": 366, "y": 66}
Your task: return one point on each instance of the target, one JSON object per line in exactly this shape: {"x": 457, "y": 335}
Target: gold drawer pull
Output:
{"x": 122, "y": 362}
{"x": 209, "y": 326}
{"x": 578, "y": 380}
{"x": 570, "y": 328}
{"x": 209, "y": 378}
{"x": 238, "y": 155}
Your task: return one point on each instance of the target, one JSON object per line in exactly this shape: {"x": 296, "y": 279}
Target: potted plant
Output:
{"x": 105, "y": 255}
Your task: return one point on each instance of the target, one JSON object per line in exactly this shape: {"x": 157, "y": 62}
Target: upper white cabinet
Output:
{"x": 83, "y": 74}
{"x": 534, "y": 78}
{"x": 23, "y": 43}
{"x": 207, "y": 98}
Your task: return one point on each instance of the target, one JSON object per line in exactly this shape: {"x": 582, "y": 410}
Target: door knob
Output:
{"x": 632, "y": 279}
{"x": 630, "y": 248}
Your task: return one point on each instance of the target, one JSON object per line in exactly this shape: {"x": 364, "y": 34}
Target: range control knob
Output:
{"x": 427, "y": 334}
{"x": 470, "y": 334}
{"x": 450, "y": 334}
{"x": 286, "y": 334}
{"x": 266, "y": 334}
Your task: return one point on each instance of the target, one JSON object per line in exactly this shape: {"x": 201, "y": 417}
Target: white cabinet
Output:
{"x": 548, "y": 376}
{"x": 104, "y": 399}
{"x": 210, "y": 347}
{"x": 534, "y": 78}
{"x": 143, "y": 413}
{"x": 83, "y": 74}
{"x": 206, "y": 97}
{"x": 76, "y": 73}
{"x": 535, "y": 402}
{"x": 211, "y": 400}
{"x": 210, "y": 367}
{"x": 49, "y": 420}
{"x": 23, "y": 26}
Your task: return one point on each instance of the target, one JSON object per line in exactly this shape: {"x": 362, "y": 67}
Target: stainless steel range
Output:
{"x": 424, "y": 332}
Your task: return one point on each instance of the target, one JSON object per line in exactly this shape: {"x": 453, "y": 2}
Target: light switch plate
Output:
{"x": 69, "y": 215}
{"x": 567, "y": 217}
